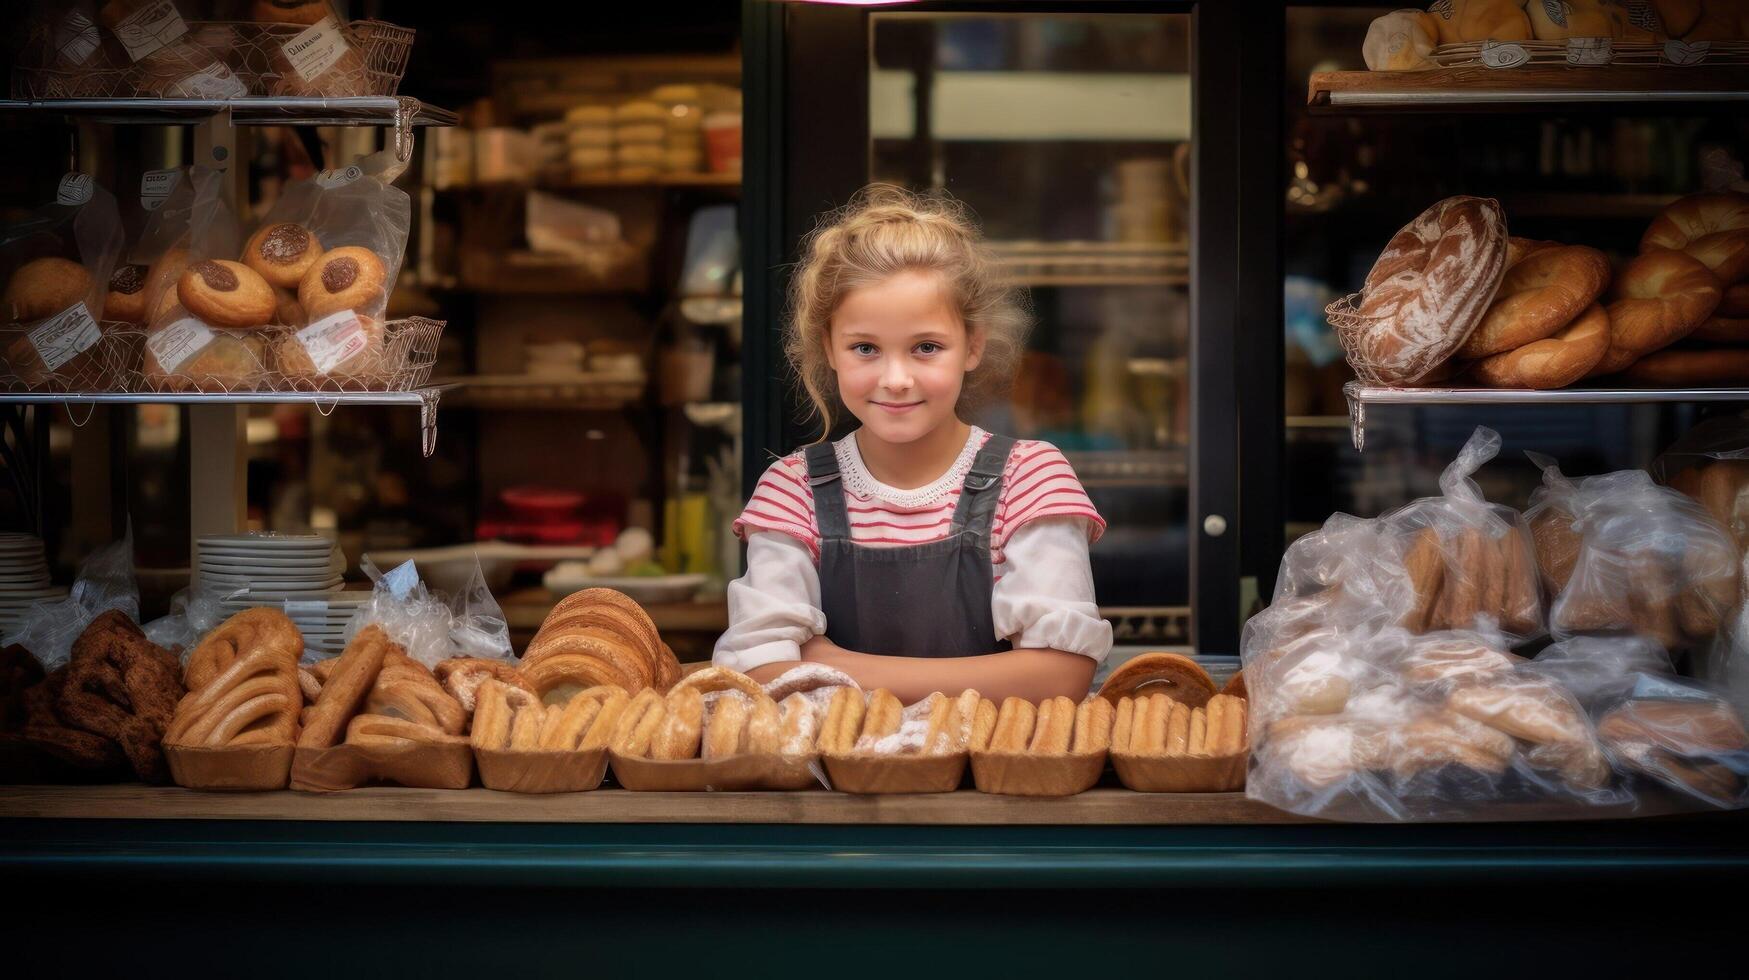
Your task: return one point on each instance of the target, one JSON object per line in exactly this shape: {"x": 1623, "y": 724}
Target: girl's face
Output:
{"x": 901, "y": 354}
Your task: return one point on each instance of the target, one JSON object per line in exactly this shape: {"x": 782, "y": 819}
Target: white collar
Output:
{"x": 858, "y": 481}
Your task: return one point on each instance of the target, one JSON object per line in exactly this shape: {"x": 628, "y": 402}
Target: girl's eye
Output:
{"x": 864, "y": 349}
{"x": 928, "y": 348}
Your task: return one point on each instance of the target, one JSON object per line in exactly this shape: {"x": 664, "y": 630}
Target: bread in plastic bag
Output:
{"x": 332, "y": 247}
{"x": 1469, "y": 562}
{"x": 186, "y": 244}
{"x": 1390, "y": 725}
{"x": 1711, "y": 464}
{"x": 1625, "y": 555}
{"x": 431, "y": 626}
{"x": 1658, "y": 728}
{"x": 57, "y": 265}
{"x": 105, "y": 581}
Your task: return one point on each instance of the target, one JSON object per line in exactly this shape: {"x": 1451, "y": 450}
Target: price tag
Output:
{"x": 339, "y": 177}
{"x": 1503, "y": 54}
{"x": 172, "y": 346}
{"x": 1589, "y": 51}
{"x": 215, "y": 81}
{"x": 332, "y": 339}
{"x": 315, "y": 49}
{"x": 150, "y": 28}
{"x": 65, "y": 336}
{"x": 155, "y": 187}
{"x": 1686, "y": 52}
{"x": 74, "y": 189}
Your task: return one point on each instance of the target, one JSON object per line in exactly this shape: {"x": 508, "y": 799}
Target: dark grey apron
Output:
{"x": 924, "y": 600}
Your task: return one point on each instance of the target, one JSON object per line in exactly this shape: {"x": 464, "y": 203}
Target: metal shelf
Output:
{"x": 372, "y": 110}
{"x": 425, "y": 399}
{"x": 1531, "y": 88}
{"x": 1360, "y": 396}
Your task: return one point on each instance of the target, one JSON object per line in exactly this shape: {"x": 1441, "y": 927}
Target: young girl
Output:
{"x": 918, "y": 553}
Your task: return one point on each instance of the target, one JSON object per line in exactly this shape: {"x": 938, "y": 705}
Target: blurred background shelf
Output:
{"x": 1360, "y": 396}
{"x": 1526, "y": 87}
{"x": 261, "y": 111}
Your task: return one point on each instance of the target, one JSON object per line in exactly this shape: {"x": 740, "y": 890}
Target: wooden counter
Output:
{"x": 1110, "y": 807}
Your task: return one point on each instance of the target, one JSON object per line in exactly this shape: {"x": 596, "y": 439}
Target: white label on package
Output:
{"x": 332, "y": 339}
{"x": 76, "y": 39}
{"x": 213, "y": 82}
{"x": 175, "y": 344}
{"x": 315, "y": 49}
{"x": 1503, "y": 54}
{"x": 1686, "y": 52}
{"x": 339, "y": 177}
{"x": 150, "y": 28}
{"x": 155, "y": 187}
{"x": 65, "y": 336}
{"x": 74, "y": 189}
{"x": 1589, "y": 52}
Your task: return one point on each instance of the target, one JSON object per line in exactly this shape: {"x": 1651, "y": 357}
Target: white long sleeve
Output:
{"x": 1044, "y": 597}
{"x": 774, "y": 607}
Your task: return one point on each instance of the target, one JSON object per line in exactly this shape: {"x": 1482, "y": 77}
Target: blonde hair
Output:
{"x": 883, "y": 231}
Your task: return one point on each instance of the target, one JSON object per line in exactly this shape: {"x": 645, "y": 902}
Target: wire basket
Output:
{"x": 107, "y": 365}
{"x": 409, "y": 354}
{"x": 215, "y": 59}
{"x": 1379, "y": 353}
{"x": 1589, "y": 53}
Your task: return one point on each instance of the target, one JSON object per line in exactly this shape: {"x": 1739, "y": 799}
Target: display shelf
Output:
{"x": 425, "y": 399}
{"x": 1361, "y": 395}
{"x": 531, "y": 392}
{"x": 1525, "y": 88}
{"x": 386, "y": 110}
{"x": 1089, "y": 263}
{"x": 1098, "y": 806}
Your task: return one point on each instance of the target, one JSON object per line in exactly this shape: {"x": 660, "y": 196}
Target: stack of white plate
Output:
{"x": 299, "y": 573}
{"x": 24, "y": 578}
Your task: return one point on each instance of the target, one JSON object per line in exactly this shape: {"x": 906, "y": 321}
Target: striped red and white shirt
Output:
{"x": 1037, "y": 482}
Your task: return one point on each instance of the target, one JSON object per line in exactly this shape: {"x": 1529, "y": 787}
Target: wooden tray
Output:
{"x": 244, "y": 768}
{"x": 428, "y": 765}
{"x": 541, "y": 772}
{"x": 1183, "y": 774}
{"x": 896, "y": 774}
{"x": 737, "y": 773}
{"x": 1020, "y": 774}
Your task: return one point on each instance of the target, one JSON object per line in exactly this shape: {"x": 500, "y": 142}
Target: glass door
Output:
{"x": 1108, "y": 188}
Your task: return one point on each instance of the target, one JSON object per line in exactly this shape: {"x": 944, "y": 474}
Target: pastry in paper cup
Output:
{"x": 1056, "y": 748}
{"x": 1161, "y": 746}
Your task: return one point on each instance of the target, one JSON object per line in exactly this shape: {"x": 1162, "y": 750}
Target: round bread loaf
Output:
{"x": 1539, "y": 295}
{"x": 1662, "y": 296}
{"x": 1428, "y": 290}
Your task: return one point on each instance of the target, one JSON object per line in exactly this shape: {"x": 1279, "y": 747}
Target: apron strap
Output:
{"x": 830, "y": 517}
{"x": 983, "y": 487}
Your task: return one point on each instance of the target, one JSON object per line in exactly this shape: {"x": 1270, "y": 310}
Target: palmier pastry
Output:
{"x": 1175, "y": 675}
{"x": 123, "y": 687}
{"x": 461, "y": 677}
{"x": 254, "y": 700}
{"x": 346, "y": 682}
{"x": 282, "y": 252}
{"x": 43, "y": 287}
{"x": 247, "y": 632}
{"x": 226, "y": 294}
{"x": 126, "y": 301}
{"x": 345, "y": 278}
{"x": 405, "y": 688}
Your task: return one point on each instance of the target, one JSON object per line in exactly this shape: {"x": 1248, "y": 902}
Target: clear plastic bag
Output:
{"x": 1625, "y": 555}
{"x": 105, "y": 582}
{"x": 185, "y": 351}
{"x": 1470, "y": 563}
{"x": 57, "y": 265}
{"x": 432, "y": 626}
{"x": 1711, "y": 464}
{"x": 1397, "y": 726}
{"x": 1659, "y": 729}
